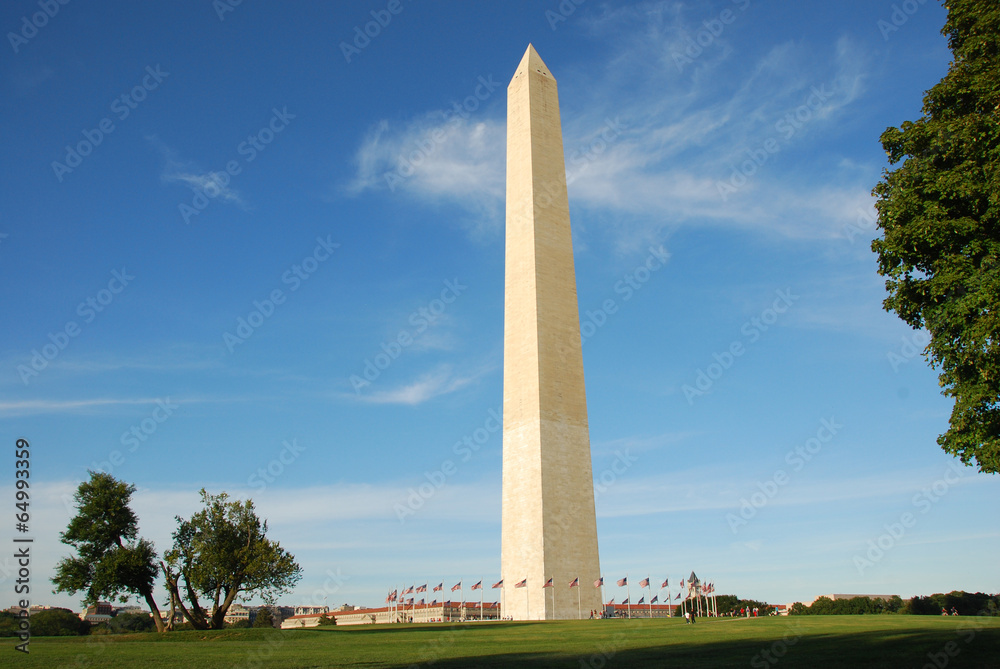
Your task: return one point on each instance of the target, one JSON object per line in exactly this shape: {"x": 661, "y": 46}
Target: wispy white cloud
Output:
{"x": 439, "y": 382}
{"x": 211, "y": 184}
{"x": 437, "y": 159}
{"x": 673, "y": 141}
{"x": 713, "y": 488}
{"x": 45, "y": 406}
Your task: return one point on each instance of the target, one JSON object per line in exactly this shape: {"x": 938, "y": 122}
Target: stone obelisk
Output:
{"x": 549, "y": 521}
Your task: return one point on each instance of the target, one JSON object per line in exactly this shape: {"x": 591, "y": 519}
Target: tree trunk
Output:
{"x": 197, "y": 618}
{"x": 155, "y": 610}
{"x": 224, "y": 609}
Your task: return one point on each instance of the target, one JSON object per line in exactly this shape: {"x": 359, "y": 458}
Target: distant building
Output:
{"x": 238, "y": 612}
{"x": 136, "y": 610}
{"x": 310, "y": 610}
{"x": 420, "y": 613}
{"x": 98, "y": 613}
{"x": 32, "y": 610}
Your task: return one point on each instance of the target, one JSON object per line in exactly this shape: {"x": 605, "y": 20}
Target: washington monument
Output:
{"x": 549, "y": 523}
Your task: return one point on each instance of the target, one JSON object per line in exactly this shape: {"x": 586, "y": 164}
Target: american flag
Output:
{"x": 623, "y": 581}
{"x": 678, "y": 596}
{"x": 575, "y": 583}
{"x": 548, "y": 584}
{"x": 409, "y": 601}
{"x": 642, "y": 600}
{"x": 599, "y": 582}
{"x": 644, "y": 583}
{"x": 521, "y": 584}
{"x": 666, "y": 583}
{"x": 653, "y": 600}
{"x": 457, "y": 586}
{"x": 682, "y": 582}
{"x": 422, "y": 588}
{"x": 612, "y": 602}
{"x": 625, "y": 603}
{"x": 391, "y": 596}
{"x": 498, "y": 584}
{"x": 408, "y": 591}
{"x": 439, "y": 586}
{"x": 421, "y": 602}
{"x": 478, "y": 586}
{"x": 434, "y": 603}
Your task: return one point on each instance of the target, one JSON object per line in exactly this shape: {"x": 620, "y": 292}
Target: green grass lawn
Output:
{"x": 800, "y": 641}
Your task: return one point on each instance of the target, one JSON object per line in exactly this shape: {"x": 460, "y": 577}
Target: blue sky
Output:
{"x": 240, "y": 255}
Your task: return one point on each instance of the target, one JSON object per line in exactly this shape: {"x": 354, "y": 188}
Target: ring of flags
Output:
{"x": 397, "y": 596}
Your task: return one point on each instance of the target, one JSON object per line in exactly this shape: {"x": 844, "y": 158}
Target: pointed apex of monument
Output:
{"x": 532, "y": 62}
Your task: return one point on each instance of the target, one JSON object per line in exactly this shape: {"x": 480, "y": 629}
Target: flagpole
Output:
{"x": 579, "y": 606}
{"x": 481, "y": 595}
{"x": 527, "y": 599}
{"x": 603, "y": 596}
{"x": 670, "y": 613}
{"x": 628, "y": 596}
{"x": 553, "y": 597}
{"x": 649, "y": 591}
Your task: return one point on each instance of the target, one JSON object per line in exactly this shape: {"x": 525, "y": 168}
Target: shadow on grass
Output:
{"x": 869, "y": 650}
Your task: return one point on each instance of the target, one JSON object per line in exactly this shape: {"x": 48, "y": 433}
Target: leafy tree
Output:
{"x": 240, "y": 625}
{"x": 111, "y": 562}
{"x": 58, "y": 622}
{"x": 965, "y": 603}
{"x": 729, "y": 603}
{"x": 824, "y": 606}
{"x": 264, "y": 618}
{"x": 125, "y": 623}
{"x": 223, "y": 552}
{"x": 798, "y": 609}
{"x": 940, "y": 214}
{"x": 327, "y": 620}
{"x": 726, "y": 603}
{"x": 9, "y": 624}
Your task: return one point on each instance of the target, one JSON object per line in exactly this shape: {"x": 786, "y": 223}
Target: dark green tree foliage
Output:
{"x": 126, "y": 623}
{"x": 966, "y": 603}
{"x": 824, "y": 606}
{"x": 264, "y": 618}
{"x": 9, "y": 624}
{"x": 728, "y": 603}
{"x": 940, "y": 215}
{"x": 221, "y": 553}
{"x": 58, "y": 622}
{"x": 111, "y": 561}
